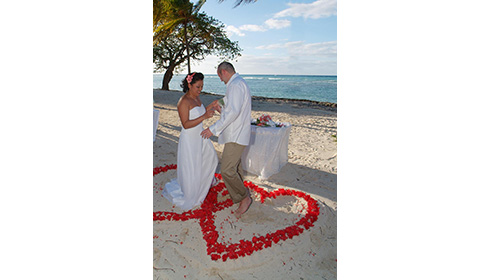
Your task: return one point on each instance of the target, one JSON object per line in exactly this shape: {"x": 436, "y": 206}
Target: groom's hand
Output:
{"x": 215, "y": 105}
{"x": 206, "y": 133}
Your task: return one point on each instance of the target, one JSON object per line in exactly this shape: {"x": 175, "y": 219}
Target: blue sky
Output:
{"x": 278, "y": 37}
{"x": 413, "y": 88}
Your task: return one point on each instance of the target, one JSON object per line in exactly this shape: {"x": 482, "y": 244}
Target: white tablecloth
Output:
{"x": 156, "y": 115}
{"x": 267, "y": 152}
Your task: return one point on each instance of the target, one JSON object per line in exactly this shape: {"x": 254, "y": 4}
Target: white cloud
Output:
{"x": 315, "y": 10}
{"x": 299, "y": 48}
{"x": 304, "y": 65}
{"x": 277, "y": 23}
{"x": 275, "y": 64}
{"x": 269, "y": 24}
{"x": 314, "y": 49}
{"x": 270, "y": 47}
{"x": 230, "y": 29}
{"x": 252, "y": 27}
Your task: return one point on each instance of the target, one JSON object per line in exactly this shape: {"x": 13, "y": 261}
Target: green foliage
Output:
{"x": 182, "y": 33}
{"x": 169, "y": 15}
{"x": 239, "y": 2}
{"x": 206, "y": 36}
{"x": 177, "y": 41}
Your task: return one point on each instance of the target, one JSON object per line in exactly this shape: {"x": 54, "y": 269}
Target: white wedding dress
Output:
{"x": 196, "y": 165}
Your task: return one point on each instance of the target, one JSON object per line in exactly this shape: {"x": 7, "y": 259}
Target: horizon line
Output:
{"x": 262, "y": 74}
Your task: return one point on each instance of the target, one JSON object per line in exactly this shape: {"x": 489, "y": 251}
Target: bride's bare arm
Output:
{"x": 183, "y": 108}
{"x": 214, "y": 106}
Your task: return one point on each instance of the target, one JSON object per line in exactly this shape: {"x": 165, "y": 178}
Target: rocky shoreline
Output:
{"x": 329, "y": 106}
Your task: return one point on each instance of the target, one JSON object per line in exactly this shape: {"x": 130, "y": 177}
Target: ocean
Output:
{"x": 315, "y": 88}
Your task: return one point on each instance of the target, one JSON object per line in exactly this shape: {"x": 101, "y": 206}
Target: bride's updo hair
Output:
{"x": 191, "y": 79}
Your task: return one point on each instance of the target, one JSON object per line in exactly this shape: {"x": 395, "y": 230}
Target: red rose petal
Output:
{"x": 206, "y": 218}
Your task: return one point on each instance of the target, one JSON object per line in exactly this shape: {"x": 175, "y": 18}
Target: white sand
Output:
{"x": 180, "y": 252}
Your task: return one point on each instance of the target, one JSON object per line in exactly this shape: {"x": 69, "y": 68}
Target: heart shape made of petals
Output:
{"x": 205, "y": 214}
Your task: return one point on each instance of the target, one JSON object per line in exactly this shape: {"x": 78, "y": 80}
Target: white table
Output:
{"x": 267, "y": 152}
{"x": 156, "y": 115}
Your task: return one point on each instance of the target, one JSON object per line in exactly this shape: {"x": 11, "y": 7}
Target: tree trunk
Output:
{"x": 187, "y": 48}
{"x": 167, "y": 78}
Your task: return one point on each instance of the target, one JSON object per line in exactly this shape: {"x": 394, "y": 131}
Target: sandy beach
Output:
{"x": 180, "y": 246}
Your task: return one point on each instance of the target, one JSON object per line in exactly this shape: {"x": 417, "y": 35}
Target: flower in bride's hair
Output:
{"x": 189, "y": 77}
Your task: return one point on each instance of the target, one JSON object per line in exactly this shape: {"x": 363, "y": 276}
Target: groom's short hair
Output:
{"x": 226, "y": 66}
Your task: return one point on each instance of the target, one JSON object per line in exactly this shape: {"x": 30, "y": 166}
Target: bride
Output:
{"x": 196, "y": 156}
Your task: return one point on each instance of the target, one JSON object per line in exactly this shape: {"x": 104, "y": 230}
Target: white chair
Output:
{"x": 156, "y": 115}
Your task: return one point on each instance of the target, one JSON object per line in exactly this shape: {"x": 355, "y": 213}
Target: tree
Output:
{"x": 173, "y": 15}
{"x": 204, "y": 36}
{"x": 169, "y": 15}
{"x": 239, "y": 2}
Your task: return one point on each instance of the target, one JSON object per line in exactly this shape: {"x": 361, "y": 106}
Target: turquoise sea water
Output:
{"x": 316, "y": 88}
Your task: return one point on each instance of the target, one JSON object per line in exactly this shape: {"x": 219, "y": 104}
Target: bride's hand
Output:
{"x": 215, "y": 105}
{"x": 218, "y": 108}
{"x": 209, "y": 114}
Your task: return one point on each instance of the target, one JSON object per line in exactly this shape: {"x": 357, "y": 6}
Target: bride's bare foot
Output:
{"x": 243, "y": 207}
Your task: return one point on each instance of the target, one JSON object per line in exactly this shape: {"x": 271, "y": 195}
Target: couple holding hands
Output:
{"x": 196, "y": 157}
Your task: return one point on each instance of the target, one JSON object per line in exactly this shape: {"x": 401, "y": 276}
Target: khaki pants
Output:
{"x": 232, "y": 172}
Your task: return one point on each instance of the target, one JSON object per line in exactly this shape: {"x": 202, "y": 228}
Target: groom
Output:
{"x": 233, "y": 130}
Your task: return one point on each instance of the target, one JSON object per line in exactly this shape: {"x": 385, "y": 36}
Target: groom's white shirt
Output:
{"x": 234, "y": 123}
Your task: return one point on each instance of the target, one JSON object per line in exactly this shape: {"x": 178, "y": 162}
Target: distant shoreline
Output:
{"x": 305, "y": 75}
{"x": 287, "y": 87}
{"x": 300, "y": 102}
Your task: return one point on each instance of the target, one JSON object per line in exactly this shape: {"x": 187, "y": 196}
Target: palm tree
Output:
{"x": 170, "y": 15}
{"x": 206, "y": 36}
{"x": 239, "y": 2}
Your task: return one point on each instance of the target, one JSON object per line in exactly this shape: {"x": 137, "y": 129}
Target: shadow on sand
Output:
{"x": 313, "y": 181}
{"x": 307, "y": 179}
{"x": 310, "y": 180}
